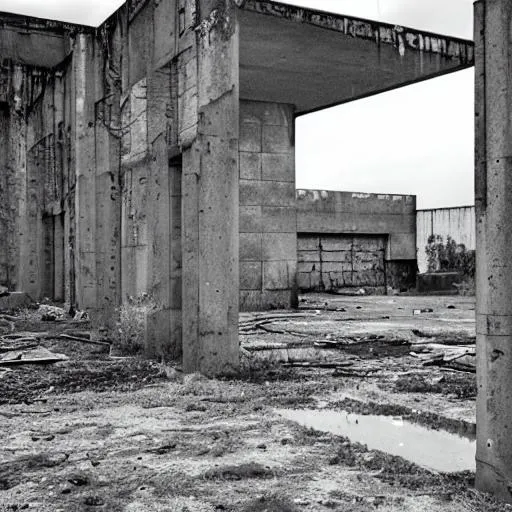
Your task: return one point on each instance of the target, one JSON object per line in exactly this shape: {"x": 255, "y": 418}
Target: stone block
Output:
{"x": 250, "y": 219}
{"x": 307, "y": 266}
{"x": 277, "y": 193}
{"x": 276, "y": 139}
{"x": 279, "y": 246}
{"x": 250, "y": 137}
{"x": 266, "y": 193}
{"x": 336, "y": 243}
{"x": 250, "y": 166}
{"x": 250, "y": 275}
{"x": 332, "y": 280}
{"x": 308, "y": 243}
{"x": 313, "y": 256}
{"x": 337, "y": 256}
{"x": 279, "y": 219}
{"x": 278, "y": 167}
{"x": 250, "y": 300}
{"x": 250, "y": 246}
{"x": 276, "y": 299}
{"x": 335, "y": 266}
{"x": 275, "y": 275}
{"x": 348, "y": 278}
{"x": 368, "y": 244}
{"x": 361, "y": 266}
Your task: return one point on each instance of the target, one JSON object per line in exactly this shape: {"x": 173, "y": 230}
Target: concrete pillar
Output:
{"x": 108, "y": 195}
{"x": 18, "y": 161}
{"x": 268, "y": 216}
{"x": 85, "y": 170}
{"x": 163, "y": 325}
{"x": 210, "y": 199}
{"x": 5, "y": 214}
{"x": 493, "y": 199}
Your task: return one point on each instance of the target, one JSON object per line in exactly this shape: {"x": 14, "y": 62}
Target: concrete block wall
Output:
{"x": 370, "y": 231}
{"x": 268, "y": 219}
{"x": 334, "y": 262}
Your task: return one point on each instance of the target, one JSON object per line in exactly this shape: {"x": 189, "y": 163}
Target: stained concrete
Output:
{"x": 302, "y": 56}
{"x": 268, "y": 216}
{"x": 493, "y": 159}
{"x": 362, "y": 224}
{"x": 155, "y": 155}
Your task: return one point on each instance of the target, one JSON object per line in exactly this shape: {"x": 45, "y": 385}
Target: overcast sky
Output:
{"x": 414, "y": 140}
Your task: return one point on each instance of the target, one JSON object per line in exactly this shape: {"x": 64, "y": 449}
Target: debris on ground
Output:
{"x": 127, "y": 434}
{"x": 51, "y": 313}
{"x": 31, "y": 356}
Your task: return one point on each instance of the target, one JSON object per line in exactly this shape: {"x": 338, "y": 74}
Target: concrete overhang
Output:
{"x": 35, "y": 42}
{"x": 315, "y": 59}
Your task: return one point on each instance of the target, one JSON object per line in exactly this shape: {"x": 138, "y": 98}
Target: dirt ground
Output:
{"x": 123, "y": 434}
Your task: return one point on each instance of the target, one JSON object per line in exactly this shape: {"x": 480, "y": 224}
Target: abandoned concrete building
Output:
{"x": 156, "y": 153}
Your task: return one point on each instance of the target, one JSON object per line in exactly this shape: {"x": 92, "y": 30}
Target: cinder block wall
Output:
{"x": 268, "y": 218}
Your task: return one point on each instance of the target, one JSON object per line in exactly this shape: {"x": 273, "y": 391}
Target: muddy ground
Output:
{"x": 103, "y": 433}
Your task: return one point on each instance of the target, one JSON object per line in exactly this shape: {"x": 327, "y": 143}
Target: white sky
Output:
{"x": 414, "y": 140}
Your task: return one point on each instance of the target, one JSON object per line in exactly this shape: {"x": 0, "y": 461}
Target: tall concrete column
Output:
{"x": 493, "y": 199}
{"x": 210, "y": 200}
{"x": 85, "y": 170}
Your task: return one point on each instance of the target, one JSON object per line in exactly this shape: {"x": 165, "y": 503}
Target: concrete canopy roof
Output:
{"x": 314, "y": 59}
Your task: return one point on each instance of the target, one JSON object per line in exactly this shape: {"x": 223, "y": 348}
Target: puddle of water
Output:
{"x": 431, "y": 449}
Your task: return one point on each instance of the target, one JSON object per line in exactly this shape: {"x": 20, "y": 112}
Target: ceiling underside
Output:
{"x": 287, "y": 60}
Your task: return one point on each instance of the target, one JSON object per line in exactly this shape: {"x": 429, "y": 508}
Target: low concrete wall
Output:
{"x": 337, "y": 262}
{"x": 459, "y": 223}
{"x": 364, "y": 225}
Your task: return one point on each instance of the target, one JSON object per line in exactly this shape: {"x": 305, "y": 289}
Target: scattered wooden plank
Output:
{"x": 41, "y": 360}
{"x": 313, "y": 364}
{"x": 84, "y": 340}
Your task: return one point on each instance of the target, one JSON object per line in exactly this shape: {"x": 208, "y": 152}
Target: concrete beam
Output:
{"x": 315, "y": 59}
{"x": 493, "y": 198}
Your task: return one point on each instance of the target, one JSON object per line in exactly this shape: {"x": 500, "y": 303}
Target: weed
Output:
{"x": 129, "y": 333}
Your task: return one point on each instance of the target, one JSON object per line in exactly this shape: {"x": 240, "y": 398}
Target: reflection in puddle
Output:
{"x": 432, "y": 449}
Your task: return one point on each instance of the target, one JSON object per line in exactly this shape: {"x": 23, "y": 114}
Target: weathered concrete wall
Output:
{"x": 459, "y": 223}
{"x": 268, "y": 219}
{"x": 338, "y": 262}
{"x": 360, "y": 226}
{"x": 137, "y": 169}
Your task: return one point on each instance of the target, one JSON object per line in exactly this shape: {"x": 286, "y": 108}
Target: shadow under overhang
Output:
{"x": 315, "y": 60}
